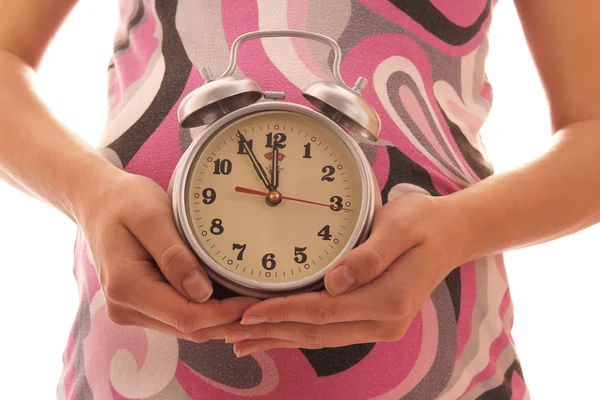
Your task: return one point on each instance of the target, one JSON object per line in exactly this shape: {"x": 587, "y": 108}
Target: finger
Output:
{"x": 315, "y": 336}
{"x": 388, "y": 240}
{"x": 160, "y": 301}
{"x": 320, "y": 308}
{"x": 255, "y": 346}
{"x": 156, "y": 231}
{"x": 135, "y": 283}
{"x": 398, "y": 293}
{"x": 128, "y": 317}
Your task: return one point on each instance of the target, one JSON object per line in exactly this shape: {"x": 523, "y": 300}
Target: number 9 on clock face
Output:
{"x": 270, "y": 198}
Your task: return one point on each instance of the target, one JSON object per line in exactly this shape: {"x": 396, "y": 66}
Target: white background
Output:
{"x": 553, "y": 285}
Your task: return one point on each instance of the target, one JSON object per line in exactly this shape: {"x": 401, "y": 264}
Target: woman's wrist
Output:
{"x": 452, "y": 230}
{"x": 552, "y": 196}
{"x": 38, "y": 154}
{"x": 87, "y": 183}
{"x": 464, "y": 226}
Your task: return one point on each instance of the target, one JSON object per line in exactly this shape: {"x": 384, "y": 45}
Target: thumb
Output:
{"x": 158, "y": 234}
{"x": 370, "y": 259}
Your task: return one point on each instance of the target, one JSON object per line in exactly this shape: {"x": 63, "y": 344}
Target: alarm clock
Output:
{"x": 271, "y": 193}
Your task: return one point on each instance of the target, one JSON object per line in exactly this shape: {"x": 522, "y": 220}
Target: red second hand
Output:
{"x": 250, "y": 191}
{"x": 256, "y": 192}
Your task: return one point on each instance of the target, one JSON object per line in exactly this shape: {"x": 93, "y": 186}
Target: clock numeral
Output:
{"x": 217, "y": 227}
{"x": 307, "y": 151}
{"x": 268, "y": 261}
{"x": 324, "y": 233}
{"x": 300, "y": 255}
{"x": 328, "y": 171}
{"x": 276, "y": 140}
{"x": 242, "y": 149}
{"x": 222, "y": 167}
{"x": 336, "y": 203}
{"x": 241, "y": 247}
{"x": 209, "y": 196}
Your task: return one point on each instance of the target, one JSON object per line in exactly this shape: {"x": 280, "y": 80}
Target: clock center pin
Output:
{"x": 274, "y": 198}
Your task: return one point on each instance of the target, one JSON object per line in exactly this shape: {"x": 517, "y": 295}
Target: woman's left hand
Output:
{"x": 373, "y": 293}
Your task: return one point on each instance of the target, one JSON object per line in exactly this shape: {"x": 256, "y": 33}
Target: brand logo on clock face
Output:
{"x": 269, "y": 156}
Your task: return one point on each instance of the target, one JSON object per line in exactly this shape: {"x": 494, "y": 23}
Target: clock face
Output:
{"x": 274, "y": 197}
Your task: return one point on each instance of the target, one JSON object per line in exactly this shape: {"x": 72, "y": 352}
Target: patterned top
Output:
{"x": 425, "y": 63}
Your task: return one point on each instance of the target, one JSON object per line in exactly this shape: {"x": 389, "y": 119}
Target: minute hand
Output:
{"x": 257, "y": 166}
{"x": 275, "y": 168}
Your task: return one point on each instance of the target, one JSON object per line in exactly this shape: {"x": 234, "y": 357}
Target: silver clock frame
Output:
{"x": 178, "y": 187}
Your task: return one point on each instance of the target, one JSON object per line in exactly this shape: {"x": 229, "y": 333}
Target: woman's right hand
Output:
{"x": 141, "y": 260}
{"x": 149, "y": 276}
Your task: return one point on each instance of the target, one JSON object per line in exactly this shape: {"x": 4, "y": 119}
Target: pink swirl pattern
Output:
{"x": 425, "y": 60}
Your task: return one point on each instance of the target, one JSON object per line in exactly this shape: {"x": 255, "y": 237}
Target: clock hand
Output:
{"x": 275, "y": 168}
{"x": 250, "y": 191}
{"x": 258, "y": 193}
{"x": 255, "y": 163}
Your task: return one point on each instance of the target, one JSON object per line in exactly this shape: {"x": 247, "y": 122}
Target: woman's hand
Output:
{"x": 373, "y": 293}
{"x": 150, "y": 278}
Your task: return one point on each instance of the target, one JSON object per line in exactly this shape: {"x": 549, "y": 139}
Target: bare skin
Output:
{"x": 385, "y": 280}
{"x": 127, "y": 219}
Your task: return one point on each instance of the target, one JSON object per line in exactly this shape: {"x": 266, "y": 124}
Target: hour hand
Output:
{"x": 257, "y": 165}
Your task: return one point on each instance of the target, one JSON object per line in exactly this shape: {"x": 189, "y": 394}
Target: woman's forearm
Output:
{"x": 38, "y": 155}
{"x": 552, "y": 196}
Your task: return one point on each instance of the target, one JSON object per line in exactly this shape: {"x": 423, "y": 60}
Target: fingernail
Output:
{"x": 339, "y": 280}
{"x": 253, "y": 319}
{"x": 237, "y": 336}
{"x": 197, "y": 288}
{"x": 247, "y": 350}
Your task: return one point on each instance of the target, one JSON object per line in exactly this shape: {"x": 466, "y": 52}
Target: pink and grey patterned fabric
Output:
{"x": 425, "y": 63}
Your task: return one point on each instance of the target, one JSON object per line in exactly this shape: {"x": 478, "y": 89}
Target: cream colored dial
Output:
{"x": 318, "y": 188}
